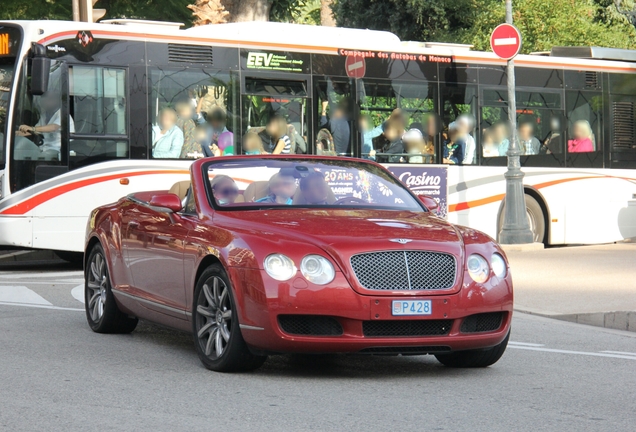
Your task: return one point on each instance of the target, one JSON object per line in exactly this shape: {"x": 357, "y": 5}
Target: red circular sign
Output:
{"x": 505, "y": 41}
{"x": 356, "y": 66}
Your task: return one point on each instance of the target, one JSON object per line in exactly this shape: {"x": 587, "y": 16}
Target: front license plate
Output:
{"x": 412, "y": 307}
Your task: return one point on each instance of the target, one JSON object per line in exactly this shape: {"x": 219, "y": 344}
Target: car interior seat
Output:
{"x": 256, "y": 190}
{"x": 180, "y": 189}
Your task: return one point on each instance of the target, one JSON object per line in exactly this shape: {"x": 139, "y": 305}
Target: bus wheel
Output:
{"x": 536, "y": 219}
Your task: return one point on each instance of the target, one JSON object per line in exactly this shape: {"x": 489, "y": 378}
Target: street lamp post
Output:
{"x": 516, "y": 229}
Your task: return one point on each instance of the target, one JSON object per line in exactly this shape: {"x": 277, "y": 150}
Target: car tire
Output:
{"x": 474, "y": 358}
{"x": 215, "y": 327}
{"x": 536, "y": 219}
{"x": 102, "y": 312}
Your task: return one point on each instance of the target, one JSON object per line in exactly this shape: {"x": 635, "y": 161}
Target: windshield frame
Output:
{"x": 6, "y": 130}
{"x": 205, "y": 167}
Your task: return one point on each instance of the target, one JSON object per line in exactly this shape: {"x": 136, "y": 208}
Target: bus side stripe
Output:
{"x": 36, "y": 200}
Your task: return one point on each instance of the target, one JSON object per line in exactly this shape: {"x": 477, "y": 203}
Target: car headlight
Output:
{"x": 317, "y": 269}
{"x": 279, "y": 267}
{"x": 498, "y": 264}
{"x": 478, "y": 268}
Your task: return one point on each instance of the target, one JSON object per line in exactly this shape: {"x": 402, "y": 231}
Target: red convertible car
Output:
{"x": 261, "y": 255}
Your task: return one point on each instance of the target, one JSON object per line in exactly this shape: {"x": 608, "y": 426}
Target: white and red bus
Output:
{"x": 79, "y": 102}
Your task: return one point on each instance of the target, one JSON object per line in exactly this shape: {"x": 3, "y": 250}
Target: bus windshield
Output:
{"x": 9, "y": 44}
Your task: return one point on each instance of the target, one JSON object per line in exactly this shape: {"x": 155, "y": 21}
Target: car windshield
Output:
{"x": 252, "y": 183}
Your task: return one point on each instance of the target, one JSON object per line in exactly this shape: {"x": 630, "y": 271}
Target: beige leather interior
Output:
{"x": 256, "y": 190}
{"x": 180, "y": 189}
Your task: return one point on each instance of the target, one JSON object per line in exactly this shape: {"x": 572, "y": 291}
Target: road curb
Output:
{"x": 618, "y": 320}
{"x": 525, "y": 247}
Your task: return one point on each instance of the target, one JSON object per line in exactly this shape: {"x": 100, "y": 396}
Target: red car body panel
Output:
{"x": 154, "y": 257}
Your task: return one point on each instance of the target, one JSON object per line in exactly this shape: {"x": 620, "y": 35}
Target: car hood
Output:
{"x": 343, "y": 232}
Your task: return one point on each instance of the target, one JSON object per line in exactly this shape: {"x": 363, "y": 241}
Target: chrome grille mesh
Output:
{"x": 405, "y": 270}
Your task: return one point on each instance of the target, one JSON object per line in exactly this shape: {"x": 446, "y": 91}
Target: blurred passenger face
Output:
{"x": 580, "y": 131}
{"x": 50, "y": 101}
{"x": 431, "y": 126}
{"x": 225, "y": 192}
{"x": 338, "y": 113}
{"x": 275, "y": 128}
{"x": 555, "y": 124}
{"x": 283, "y": 186}
{"x": 201, "y": 136}
{"x": 252, "y": 143}
{"x": 315, "y": 190}
{"x": 167, "y": 119}
{"x": 525, "y": 131}
{"x": 500, "y": 133}
{"x": 364, "y": 124}
{"x": 184, "y": 110}
{"x": 454, "y": 134}
{"x": 391, "y": 133}
{"x": 217, "y": 119}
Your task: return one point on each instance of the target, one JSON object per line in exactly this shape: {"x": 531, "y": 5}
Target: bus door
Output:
{"x": 264, "y": 98}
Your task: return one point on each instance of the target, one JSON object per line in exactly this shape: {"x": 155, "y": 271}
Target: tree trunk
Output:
{"x": 247, "y": 10}
{"x": 326, "y": 14}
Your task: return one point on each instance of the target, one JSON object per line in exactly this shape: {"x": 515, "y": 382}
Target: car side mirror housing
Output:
{"x": 429, "y": 202}
{"x": 169, "y": 201}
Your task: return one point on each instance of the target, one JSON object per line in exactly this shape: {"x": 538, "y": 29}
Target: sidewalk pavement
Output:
{"x": 593, "y": 285}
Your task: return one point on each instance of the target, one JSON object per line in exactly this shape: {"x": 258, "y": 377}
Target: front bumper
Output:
{"x": 262, "y": 301}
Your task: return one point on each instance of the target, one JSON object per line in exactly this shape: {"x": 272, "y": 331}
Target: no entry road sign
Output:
{"x": 356, "y": 66}
{"x": 505, "y": 41}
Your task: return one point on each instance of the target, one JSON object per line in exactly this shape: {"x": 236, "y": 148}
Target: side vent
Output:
{"x": 190, "y": 54}
{"x": 591, "y": 80}
{"x": 623, "y": 125}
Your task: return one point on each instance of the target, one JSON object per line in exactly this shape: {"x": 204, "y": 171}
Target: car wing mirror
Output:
{"x": 429, "y": 202}
{"x": 168, "y": 201}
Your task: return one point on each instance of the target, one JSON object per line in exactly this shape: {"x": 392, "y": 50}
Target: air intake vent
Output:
{"x": 190, "y": 54}
{"x": 591, "y": 80}
{"x": 623, "y": 124}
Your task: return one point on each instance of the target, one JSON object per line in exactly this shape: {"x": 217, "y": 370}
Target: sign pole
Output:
{"x": 516, "y": 229}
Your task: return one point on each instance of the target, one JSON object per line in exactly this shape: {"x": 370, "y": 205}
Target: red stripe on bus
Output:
{"x": 29, "y": 204}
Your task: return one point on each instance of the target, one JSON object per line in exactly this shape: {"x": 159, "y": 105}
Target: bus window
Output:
{"x": 540, "y": 128}
{"x": 407, "y": 106}
{"x": 40, "y": 132}
{"x": 584, "y": 143}
{"x": 193, "y": 113}
{"x": 334, "y": 106}
{"x": 267, "y": 102}
{"x": 460, "y": 105}
{"x": 97, "y": 105}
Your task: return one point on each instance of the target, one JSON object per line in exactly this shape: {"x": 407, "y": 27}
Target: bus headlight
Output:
{"x": 317, "y": 269}
{"x": 279, "y": 267}
{"x": 478, "y": 268}
{"x": 498, "y": 264}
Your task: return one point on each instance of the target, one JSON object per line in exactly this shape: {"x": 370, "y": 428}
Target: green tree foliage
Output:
{"x": 548, "y": 23}
{"x": 155, "y": 10}
{"x": 409, "y": 19}
{"x": 543, "y": 23}
{"x": 36, "y": 9}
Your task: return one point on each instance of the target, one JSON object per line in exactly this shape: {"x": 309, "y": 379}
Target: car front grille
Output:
{"x": 310, "y": 325}
{"x": 406, "y": 328}
{"x": 405, "y": 270}
{"x": 483, "y": 322}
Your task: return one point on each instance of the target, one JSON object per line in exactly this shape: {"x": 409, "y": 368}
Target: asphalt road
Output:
{"x": 55, "y": 374}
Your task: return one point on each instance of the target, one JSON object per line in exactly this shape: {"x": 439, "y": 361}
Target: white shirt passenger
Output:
{"x": 52, "y": 141}
{"x": 469, "y": 150}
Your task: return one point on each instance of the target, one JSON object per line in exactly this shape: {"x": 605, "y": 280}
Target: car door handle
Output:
{"x": 133, "y": 224}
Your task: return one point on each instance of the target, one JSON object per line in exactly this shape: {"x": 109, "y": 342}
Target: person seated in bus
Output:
{"x": 205, "y": 147}
{"x": 390, "y": 142}
{"x": 454, "y": 146}
{"x": 553, "y": 144}
{"x": 432, "y": 127}
{"x": 488, "y": 145}
{"x": 217, "y": 121}
{"x": 252, "y": 144}
{"x": 466, "y": 123}
{"x": 414, "y": 145}
{"x": 224, "y": 189}
{"x": 338, "y": 125}
{"x": 500, "y": 136}
{"x": 583, "y": 141}
{"x": 281, "y": 190}
{"x": 49, "y": 125}
{"x": 314, "y": 189}
{"x": 529, "y": 144}
{"x": 368, "y": 133}
{"x": 187, "y": 125}
{"x": 167, "y": 137}
{"x": 279, "y": 141}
